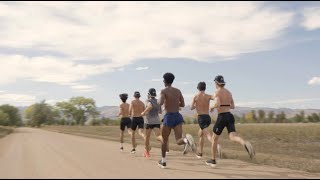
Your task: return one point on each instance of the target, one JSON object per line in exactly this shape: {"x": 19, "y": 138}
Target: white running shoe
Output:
{"x": 185, "y": 149}
{"x": 191, "y": 143}
{"x": 249, "y": 149}
{"x": 199, "y": 155}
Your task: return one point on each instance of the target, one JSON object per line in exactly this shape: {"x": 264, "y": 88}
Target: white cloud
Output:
{"x": 17, "y": 99}
{"x": 311, "y": 19}
{"x": 142, "y": 68}
{"x": 314, "y": 81}
{"x": 84, "y": 88}
{"x": 47, "y": 69}
{"x": 127, "y": 31}
{"x": 186, "y": 82}
{"x": 156, "y": 80}
{"x": 121, "y": 69}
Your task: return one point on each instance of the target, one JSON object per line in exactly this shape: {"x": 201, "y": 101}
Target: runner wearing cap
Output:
{"x": 152, "y": 121}
{"x": 135, "y": 109}
{"x": 223, "y": 103}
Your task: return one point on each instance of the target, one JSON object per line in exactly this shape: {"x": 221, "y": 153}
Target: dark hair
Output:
{"x": 201, "y": 86}
{"x": 123, "y": 97}
{"x": 168, "y": 78}
{"x": 137, "y": 94}
{"x": 152, "y": 92}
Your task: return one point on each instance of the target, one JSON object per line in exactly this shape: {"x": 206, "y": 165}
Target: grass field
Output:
{"x": 5, "y": 131}
{"x": 294, "y": 146}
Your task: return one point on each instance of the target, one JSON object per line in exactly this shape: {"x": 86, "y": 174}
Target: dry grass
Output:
{"x": 5, "y": 131}
{"x": 294, "y": 146}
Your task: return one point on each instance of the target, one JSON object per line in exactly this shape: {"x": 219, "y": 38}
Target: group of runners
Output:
{"x": 172, "y": 100}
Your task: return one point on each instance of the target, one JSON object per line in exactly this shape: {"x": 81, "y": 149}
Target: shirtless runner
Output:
{"x": 125, "y": 118}
{"x": 223, "y": 103}
{"x": 201, "y": 103}
{"x": 172, "y": 99}
{"x": 136, "y": 108}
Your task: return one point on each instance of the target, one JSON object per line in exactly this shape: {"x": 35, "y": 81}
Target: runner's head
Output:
{"x": 152, "y": 93}
{"x": 219, "y": 80}
{"x": 137, "y": 94}
{"x": 201, "y": 86}
{"x": 123, "y": 97}
{"x": 168, "y": 79}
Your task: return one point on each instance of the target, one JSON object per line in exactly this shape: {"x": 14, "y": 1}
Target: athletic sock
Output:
{"x": 163, "y": 160}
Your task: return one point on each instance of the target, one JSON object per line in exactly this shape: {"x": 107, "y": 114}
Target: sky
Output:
{"x": 268, "y": 52}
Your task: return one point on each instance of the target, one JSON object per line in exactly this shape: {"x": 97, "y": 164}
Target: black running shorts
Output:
{"x": 224, "y": 120}
{"x": 152, "y": 126}
{"x": 137, "y": 122}
{"x": 125, "y": 122}
{"x": 204, "y": 121}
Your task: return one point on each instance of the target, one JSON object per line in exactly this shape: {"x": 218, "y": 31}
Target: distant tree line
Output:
{"x": 262, "y": 117}
{"x": 81, "y": 111}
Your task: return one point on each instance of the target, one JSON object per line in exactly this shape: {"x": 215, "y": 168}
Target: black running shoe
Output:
{"x": 133, "y": 151}
{"x": 211, "y": 163}
{"x": 161, "y": 164}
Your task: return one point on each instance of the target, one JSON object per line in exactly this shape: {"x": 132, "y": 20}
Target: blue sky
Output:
{"x": 267, "y": 51}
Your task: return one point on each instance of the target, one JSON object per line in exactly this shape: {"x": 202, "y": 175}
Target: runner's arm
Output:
{"x": 130, "y": 109}
{"x": 162, "y": 96}
{"x": 232, "y": 103}
{"x": 144, "y": 106}
{"x": 148, "y": 109}
{"x": 120, "y": 111}
{"x": 181, "y": 100}
{"x": 216, "y": 102}
{"x": 160, "y": 110}
{"x": 212, "y": 97}
{"x": 193, "y": 104}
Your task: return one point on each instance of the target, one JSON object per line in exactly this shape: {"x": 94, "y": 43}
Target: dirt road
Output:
{"x": 34, "y": 153}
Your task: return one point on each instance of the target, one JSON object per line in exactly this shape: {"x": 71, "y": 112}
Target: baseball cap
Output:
{"x": 219, "y": 79}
